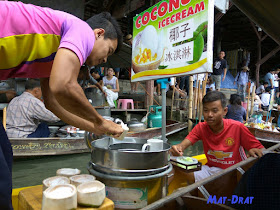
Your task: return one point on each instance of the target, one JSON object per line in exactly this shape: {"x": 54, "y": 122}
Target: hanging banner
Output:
{"x": 173, "y": 38}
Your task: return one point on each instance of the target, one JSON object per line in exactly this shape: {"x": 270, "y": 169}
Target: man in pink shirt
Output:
{"x": 38, "y": 42}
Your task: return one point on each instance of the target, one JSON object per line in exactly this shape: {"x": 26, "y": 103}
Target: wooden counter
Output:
{"x": 31, "y": 199}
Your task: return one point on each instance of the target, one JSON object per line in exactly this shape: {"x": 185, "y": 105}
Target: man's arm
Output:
{"x": 117, "y": 87}
{"x": 178, "y": 150}
{"x": 66, "y": 91}
{"x": 225, "y": 73}
{"x": 271, "y": 82}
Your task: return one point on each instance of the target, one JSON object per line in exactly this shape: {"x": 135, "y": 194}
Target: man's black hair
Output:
{"x": 215, "y": 96}
{"x": 267, "y": 89}
{"x": 235, "y": 99}
{"x": 109, "y": 24}
{"x": 32, "y": 83}
{"x": 265, "y": 83}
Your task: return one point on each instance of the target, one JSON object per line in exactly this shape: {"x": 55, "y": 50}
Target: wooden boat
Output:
{"x": 267, "y": 138}
{"x": 23, "y": 147}
{"x": 27, "y": 147}
{"x": 171, "y": 127}
{"x": 196, "y": 195}
{"x": 181, "y": 195}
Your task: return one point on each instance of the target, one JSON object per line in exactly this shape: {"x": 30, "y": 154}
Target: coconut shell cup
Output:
{"x": 68, "y": 172}
{"x": 55, "y": 180}
{"x": 91, "y": 194}
{"x": 60, "y": 197}
{"x": 81, "y": 178}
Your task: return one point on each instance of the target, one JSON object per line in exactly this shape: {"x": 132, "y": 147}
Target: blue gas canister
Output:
{"x": 154, "y": 117}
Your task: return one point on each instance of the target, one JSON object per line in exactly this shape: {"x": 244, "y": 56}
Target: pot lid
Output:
{"x": 134, "y": 122}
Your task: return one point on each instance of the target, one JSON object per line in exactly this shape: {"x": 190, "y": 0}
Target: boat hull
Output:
{"x": 24, "y": 147}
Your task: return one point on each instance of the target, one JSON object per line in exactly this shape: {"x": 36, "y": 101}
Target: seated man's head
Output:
{"x": 33, "y": 86}
{"x": 267, "y": 89}
{"x": 235, "y": 99}
{"x": 108, "y": 38}
{"x": 214, "y": 108}
{"x": 265, "y": 84}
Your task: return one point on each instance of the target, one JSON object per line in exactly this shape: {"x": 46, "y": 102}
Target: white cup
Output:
{"x": 153, "y": 145}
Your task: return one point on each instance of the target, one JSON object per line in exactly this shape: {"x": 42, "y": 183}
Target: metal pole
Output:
{"x": 163, "y": 83}
{"x": 163, "y": 129}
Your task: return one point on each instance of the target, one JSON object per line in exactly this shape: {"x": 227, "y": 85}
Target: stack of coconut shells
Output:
{"x": 69, "y": 188}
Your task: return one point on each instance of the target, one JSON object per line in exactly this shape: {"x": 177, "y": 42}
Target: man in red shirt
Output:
{"x": 223, "y": 139}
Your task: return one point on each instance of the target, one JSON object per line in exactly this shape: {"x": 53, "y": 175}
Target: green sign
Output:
{"x": 173, "y": 38}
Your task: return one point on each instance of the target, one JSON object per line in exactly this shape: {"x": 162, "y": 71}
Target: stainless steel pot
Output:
{"x": 96, "y": 96}
{"x": 104, "y": 111}
{"x": 103, "y": 156}
{"x": 135, "y": 126}
{"x": 130, "y": 191}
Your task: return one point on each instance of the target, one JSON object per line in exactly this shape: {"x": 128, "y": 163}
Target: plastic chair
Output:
{"x": 122, "y": 104}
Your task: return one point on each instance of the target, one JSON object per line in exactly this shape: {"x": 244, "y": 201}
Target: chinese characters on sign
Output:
{"x": 180, "y": 46}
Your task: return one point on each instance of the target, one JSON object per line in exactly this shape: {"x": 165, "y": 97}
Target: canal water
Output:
{"x": 31, "y": 171}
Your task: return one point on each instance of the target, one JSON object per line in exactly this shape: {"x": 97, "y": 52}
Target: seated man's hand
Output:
{"x": 177, "y": 150}
{"x": 255, "y": 152}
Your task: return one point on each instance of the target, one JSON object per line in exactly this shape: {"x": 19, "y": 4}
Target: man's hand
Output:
{"x": 109, "y": 128}
{"x": 234, "y": 83}
{"x": 177, "y": 150}
{"x": 255, "y": 152}
{"x": 224, "y": 78}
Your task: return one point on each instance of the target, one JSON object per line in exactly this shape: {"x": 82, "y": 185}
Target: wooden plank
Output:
{"x": 31, "y": 199}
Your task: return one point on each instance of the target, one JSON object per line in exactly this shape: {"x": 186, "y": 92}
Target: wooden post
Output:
{"x": 252, "y": 100}
{"x": 248, "y": 100}
{"x": 203, "y": 94}
{"x": 190, "y": 102}
{"x": 198, "y": 100}
{"x": 195, "y": 100}
{"x": 150, "y": 96}
{"x": 5, "y": 117}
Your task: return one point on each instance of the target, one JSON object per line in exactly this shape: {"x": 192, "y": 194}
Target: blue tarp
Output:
{"x": 228, "y": 83}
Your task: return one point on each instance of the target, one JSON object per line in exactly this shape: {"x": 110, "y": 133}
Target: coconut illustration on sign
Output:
{"x": 147, "y": 51}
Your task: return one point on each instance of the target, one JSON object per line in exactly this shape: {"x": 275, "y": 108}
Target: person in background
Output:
{"x": 180, "y": 96}
{"x": 26, "y": 113}
{"x": 128, "y": 39}
{"x": 220, "y": 66}
{"x": 53, "y": 45}
{"x": 265, "y": 98}
{"x": 261, "y": 88}
{"x": 184, "y": 83}
{"x": 110, "y": 85}
{"x": 235, "y": 110}
{"x": 210, "y": 85}
{"x": 96, "y": 73}
{"x": 269, "y": 78}
{"x": 276, "y": 82}
{"x": 117, "y": 72}
{"x": 7, "y": 95}
{"x": 223, "y": 139}
{"x": 242, "y": 78}
{"x": 85, "y": 79}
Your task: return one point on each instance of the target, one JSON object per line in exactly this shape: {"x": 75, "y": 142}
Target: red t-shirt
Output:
{"x": 225, "y": 148}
